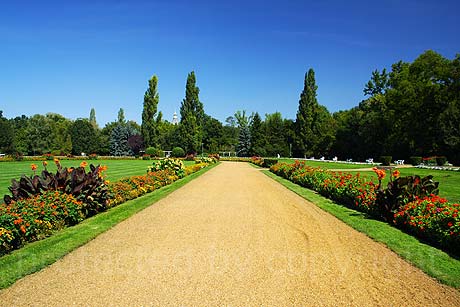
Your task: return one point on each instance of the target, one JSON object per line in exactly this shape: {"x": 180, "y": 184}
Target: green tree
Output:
{"x": 121, "y": 117}
{"x": 192, "y": 116}
{"x": 84, "y": 137}
{"x": 244, "y": 134}
{"x": 212, "y": 134}
{"x": 149, "y": 127}
{"x": 92, "y": 118}
{"x": 276, "y": 135}
{"x": 258, "y": 138}
{"x": 308, "y": 106}
{"x": 119, "y": 141}
{"x": 21, "y": 141}
{"x": 244, "y": 142}
{"x": 6, "y": 135}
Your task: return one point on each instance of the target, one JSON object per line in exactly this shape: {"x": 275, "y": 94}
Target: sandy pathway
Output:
{"x": 233, "y": 237}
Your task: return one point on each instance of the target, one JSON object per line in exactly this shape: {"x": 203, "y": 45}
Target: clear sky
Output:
{"x": 69, "y": 56}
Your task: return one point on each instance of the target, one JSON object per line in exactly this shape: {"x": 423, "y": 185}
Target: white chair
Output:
{"x": 334, "y": 159}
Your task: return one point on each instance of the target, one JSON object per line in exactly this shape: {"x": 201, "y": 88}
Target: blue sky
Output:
{"x": 69, "y": 56}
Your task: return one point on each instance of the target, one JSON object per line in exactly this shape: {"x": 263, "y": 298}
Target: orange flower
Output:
{"x": 45, "y": 163}
{"x": 23, "y": 228}
{"x": 33, "y": 167}
{"x": 379, "y": 172}
{"x": 396, "y": 173}
{"x": 83, "y": 164}
{"x": 56, "y": 160}
{"x": 103, "y": 168}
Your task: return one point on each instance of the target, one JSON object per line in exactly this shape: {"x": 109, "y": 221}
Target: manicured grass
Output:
{"x": 449, "y": 181}
{"x": 328, "y": 165}
{"x": 37, "y": 255}
{"x": 432, "y": 261}
{"x": 116, "y": 169}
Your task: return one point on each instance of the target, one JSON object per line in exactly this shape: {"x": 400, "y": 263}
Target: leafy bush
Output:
{"x": 441, "y": 160}
{"x": 268, "y": 162}
{"x": 145, "y": 157}
{"x": 415, "y": 160}
{"x": 177, "y": 152}
{"x": 175, "y": 165}
{"x": 385, "y": 160}
{"x": 93, "y": 156}
{"x": 151, "y": 151}
{"x": 429, "y": 160}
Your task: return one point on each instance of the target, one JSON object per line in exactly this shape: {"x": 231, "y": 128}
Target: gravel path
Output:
{"x": 233, "y": 237}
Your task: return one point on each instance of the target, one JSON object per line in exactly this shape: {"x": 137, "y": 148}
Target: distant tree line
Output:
{"x": 412, "y": 110}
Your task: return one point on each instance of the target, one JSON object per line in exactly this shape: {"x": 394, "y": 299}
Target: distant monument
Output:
{"x": 175, "y": 120}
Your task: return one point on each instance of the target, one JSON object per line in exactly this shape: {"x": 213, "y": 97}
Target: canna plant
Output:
{"x": 87, "y": 186}
{"x": 402, "y": 190}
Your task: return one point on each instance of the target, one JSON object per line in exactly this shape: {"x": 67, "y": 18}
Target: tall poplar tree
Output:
{"x": 308, "y": 107}
{"x": 149, "y": 129}
{"x": 192, "y": 116}
{"x": 92, "y": 118}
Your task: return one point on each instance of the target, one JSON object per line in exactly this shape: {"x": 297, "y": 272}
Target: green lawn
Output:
{"x": 328, "y": 165}
{"x": 116, "y": 169}
{"x": 432, "y": 261}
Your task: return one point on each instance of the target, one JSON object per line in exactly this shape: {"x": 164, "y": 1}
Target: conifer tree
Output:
{"x": 92, "y": 118}
{"x": 308, "y": 107}
{"x": 149, "y": 129}
{"x": 119, "y": 141}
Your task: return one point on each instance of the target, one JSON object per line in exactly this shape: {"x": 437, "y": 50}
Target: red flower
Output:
{"x": 450, "y": 224}
{"x": 33, "y": 167}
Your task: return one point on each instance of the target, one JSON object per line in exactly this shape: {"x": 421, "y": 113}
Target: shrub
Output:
{"x": 429, "y": 160}
{"x": 441, "y": 160}
{"x": 145, "y": 157}
{"x": 93, "y": 156}
{"x": 385, "y": 160}
{"x": 151, "y": 151}
{"x": 175, "y": 165}
{"x": 269, "y": 162}
{"x": 177, "y": 152}
{"x": 415, "y": 160}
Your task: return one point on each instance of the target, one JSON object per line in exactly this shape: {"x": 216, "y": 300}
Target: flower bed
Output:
{"x": 43, "y": 212}
{"x": 430, "y": 217}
